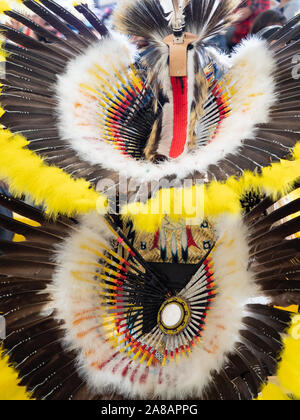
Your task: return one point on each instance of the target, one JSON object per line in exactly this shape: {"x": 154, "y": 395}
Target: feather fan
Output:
{"x": 115, "y": 328}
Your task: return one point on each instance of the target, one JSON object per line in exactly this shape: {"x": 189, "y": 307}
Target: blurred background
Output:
{"x": 255, "y": 16}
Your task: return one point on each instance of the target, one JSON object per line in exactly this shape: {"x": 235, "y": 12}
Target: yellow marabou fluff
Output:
{"x": 26, "y": 173}
{"x": 286, "y": 386}
{"x": 216, "y": 198}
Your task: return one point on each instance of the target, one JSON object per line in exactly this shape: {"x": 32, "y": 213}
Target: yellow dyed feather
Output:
{"x": 217, "y": 197}
{"x": 27, "y": 173}
{"x": 3, "y": 53}
{"x": 273, "y": 392}
{"x": 6, "y": 5}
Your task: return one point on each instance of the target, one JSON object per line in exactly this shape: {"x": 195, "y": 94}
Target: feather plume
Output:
{"x": 33, "y": 282}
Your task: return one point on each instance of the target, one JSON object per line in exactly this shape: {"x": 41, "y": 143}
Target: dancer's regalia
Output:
{"x": 114, "y": 292}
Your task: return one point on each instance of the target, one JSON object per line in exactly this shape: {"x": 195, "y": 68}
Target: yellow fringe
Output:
{"x": 26, "y": 173}
{"x": 215, "y": 198}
